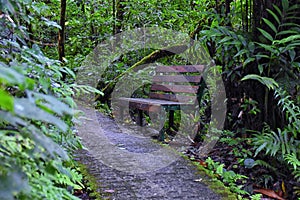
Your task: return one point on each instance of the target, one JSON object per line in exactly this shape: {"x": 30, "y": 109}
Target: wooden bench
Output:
{"x": 172, "y": 88}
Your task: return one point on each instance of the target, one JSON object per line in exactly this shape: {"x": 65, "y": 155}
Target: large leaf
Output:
{"x": 7, "y": 117}
{"x": 288, "y": 39}
{"x": 10, "y": 76}
{"x": 6, "y": 101}
{"x": 274, "y": 15}
{"x": 248, "y": 60}
{"x": 285, "y": 4}
{"x": 268, "y": 82}
{"x": 287, "y": 32}
{"x": 51, "y": 103}
{"x": 51, "y": 23}
{"x": 260, "y": 148}
{"x": 270, "y": 24}
{"x": 35, "y": 134}
{"x": 267, "y": 47}
{"x": 5, "y": 4}
{"x": 266, "y": 34}
{"x": 51, "y": 147}
{"x": 278, "y": 10}
{"x": 13, "y": 183}
{"x": 27, "y": 109}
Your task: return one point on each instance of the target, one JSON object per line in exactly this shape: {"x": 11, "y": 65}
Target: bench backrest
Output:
{"x": 177, "y": 83}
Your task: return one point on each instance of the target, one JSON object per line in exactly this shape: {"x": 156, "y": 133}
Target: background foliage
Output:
{"x": 35, "y": 112}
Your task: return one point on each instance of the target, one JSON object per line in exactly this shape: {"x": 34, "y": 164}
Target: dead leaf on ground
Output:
{"x": 269, "y": 193}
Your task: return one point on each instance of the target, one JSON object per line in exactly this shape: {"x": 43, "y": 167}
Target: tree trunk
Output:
{"x": 61, "y": 32}
{"x": 256, "y": 21}
{"x": 119, "y": 15}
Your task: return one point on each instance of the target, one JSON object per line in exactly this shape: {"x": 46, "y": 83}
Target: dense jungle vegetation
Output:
{"x": 255, "y": 43}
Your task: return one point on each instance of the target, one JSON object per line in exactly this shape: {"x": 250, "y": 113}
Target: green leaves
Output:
{"x": 34, "y": 126}
{"x": 10, "y": 76}
{"x": 50, "y": 23}
{"x": 270, "y": 24}
{"x": 293, "y": 160}
{"x": 20, "y": 183}
{"x": 279, "y": 45}
{"x": 268, "y": 82}
{"x": 266, "y": 34}
{"x": 292, "y": 38}
{"x": 282, "y": 144}
{"x": 7, "y": 5}
{"x": 6, "y": 101}
{"x": 26, "y": 109}
{"x": 51, "y": 103}
{"x": 274, "y": 143}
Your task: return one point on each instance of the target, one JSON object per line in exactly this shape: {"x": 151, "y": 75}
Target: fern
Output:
{"x": 295, "y": 162}
{"x": 264, "y": 164}
{"x": 274, "y": 143}
{"x": 291, "y": 110}
{"x": 283, "y": 141}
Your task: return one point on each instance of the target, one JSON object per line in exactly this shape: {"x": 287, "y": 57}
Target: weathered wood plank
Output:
{"x": 173, "y": 97}
{"x": 155, "y": 102}
{"x": 188, "y": 68}
{"x": 175, "y": 88}
{"x": 176, "y": 79}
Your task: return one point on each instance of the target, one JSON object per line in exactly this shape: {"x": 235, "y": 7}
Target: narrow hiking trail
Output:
{"x": 118, "y": 175}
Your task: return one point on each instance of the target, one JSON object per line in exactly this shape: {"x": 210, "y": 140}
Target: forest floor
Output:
{"x": 128, "y": 166}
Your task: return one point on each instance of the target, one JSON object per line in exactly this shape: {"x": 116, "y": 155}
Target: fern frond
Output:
{"x": 292, "y": 160}
{"x": 265, "y": 164}
{"x": 275, "y": 143}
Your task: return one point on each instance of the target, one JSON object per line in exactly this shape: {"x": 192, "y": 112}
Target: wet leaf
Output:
{"x": 269, "y": 193}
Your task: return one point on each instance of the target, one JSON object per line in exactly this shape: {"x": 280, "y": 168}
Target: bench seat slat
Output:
{"x": 176, "y": 79}
{"x": 194, "y": 68}
{"x": 154, "y": 102}
{"x": 174, "y": 98}
{"x": 175, "y": 88}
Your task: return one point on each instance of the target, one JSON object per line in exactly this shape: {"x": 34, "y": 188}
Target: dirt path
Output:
{"x": 128, "y": 166}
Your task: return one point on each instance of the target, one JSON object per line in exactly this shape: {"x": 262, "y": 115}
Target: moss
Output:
{"x": 91, "y": 182}
{"x": 212, "y": 182}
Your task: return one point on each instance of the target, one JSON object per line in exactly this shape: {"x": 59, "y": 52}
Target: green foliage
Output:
{"x": 278, "y": 57}
{"x": 35, "y": 118}
{"x": 266, "y": 81}
{"x": 291, "y": 110}
{"x": 250, "y": 106}
{"x": 229, "y": 177}
{"x": 256, "y": 197}
{"x": 282, "y": 144}
{"x": 232, "y": 48}
{"x": 293, "y": 160}
{"x": 275, "y": 143}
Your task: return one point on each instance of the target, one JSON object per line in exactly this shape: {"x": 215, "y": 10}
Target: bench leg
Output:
{"x": 121, "y": 113}
{"x": 171, "y": 119}
{"x": 161, "y": 125}
{"x": 140, "y": 118}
